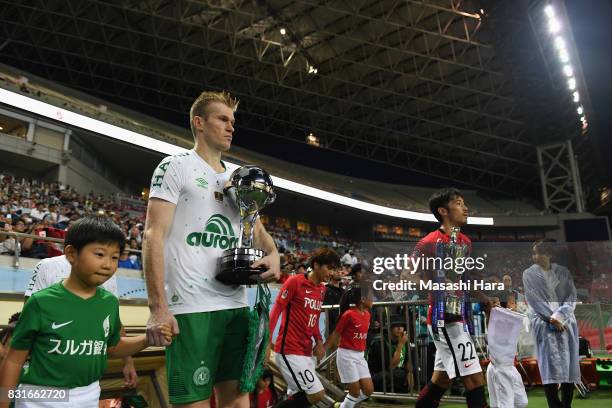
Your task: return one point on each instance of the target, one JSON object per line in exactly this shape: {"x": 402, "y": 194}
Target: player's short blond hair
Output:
{"x": 198, "y": 108}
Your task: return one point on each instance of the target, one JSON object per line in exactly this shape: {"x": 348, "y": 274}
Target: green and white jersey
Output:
{"x": 67, "y": 336}
{"x": 205, "y": 224}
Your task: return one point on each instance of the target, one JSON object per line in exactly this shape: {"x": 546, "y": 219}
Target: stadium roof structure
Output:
{"x": 459, "y": 90}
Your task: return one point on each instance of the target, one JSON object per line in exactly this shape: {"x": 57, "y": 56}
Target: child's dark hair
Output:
{"x": 356, "y": 268}
{"x": 94, "y": 229}
{"x": 441, "y": 199}
{"x": 353, "y": 296}
{"x": 325, "y": 256}
{"x": 267, "y": 374}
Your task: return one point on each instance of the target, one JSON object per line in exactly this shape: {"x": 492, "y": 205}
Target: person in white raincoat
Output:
{"x": 551, "y": 296}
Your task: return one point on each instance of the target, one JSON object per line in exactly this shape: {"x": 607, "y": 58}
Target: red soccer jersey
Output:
{"x": 353, "y": 329}
{"x": 265, "y": 399}
{"x": 300, "y": 301}
{"x": 427, "y": 248}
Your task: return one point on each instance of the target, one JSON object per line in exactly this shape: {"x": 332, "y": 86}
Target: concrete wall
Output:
{"x": 49, "y": 137}
{"x": 84, "y": 179}
{"x": 22, "y": 147}
{"x": 72, "y": 172}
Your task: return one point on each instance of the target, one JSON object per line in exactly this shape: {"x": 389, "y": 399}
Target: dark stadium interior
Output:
{"x": 391, "y": 78}
{"x": 33, "y": 167}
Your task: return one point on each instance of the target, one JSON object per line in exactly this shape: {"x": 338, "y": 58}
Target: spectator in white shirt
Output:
{"x": 39, "y": 212}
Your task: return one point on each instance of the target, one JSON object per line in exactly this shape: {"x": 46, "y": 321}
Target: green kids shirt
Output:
{"x": 67, "y": 336}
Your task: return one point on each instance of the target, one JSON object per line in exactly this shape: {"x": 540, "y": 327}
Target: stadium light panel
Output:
{"x": 554, "y": 26}
{"x": 283, "y": 31}
{"x": 563, "y": 55}
{"x": 560, "y": 43}
{"x": 115, "y": 132}
{"x": 580, "y": 110}
{"x": 571, "y": 83}
{"x": 576, "y": 96}
{"x": 312, "y": 140}
{"x": 550, "y": 11}
{"x": 568, "y": 70}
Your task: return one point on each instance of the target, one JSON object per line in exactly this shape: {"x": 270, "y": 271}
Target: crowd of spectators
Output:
{"x": 49, "y": 209}
{"x": 301, "y": 243}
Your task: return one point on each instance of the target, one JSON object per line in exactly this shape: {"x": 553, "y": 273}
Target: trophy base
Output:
{"x": 236, "y": 266}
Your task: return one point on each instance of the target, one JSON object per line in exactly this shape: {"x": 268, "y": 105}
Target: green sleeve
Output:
{"x": 27, "y": 326}
{"x": 115, "y": 334}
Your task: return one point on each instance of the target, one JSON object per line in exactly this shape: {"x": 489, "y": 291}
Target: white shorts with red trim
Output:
{"x": 299, "y": 373}
{"x": 455, "y": 351}
{"x": 352, "y": 365}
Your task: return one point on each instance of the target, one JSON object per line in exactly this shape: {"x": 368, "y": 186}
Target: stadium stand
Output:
{"x": 403, "y": 197}
{"x": 48, "y": 209}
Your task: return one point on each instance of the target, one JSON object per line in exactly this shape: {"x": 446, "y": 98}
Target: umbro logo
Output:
{"x": 201, "y": 182}
{"x": 57, "y": 326}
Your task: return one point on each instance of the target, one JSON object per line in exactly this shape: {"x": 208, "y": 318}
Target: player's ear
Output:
{"x": 442, "y": 211}
{"x": 71, "y": 254}
{"x": 198, "y": 122}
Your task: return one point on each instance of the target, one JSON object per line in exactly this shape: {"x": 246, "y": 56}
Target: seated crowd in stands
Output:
{"x": 288, "y": 239}
{"x": 49, "y": 209}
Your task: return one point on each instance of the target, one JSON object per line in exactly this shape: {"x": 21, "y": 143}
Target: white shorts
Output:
{"x": 352, "y": 365}
{"x": 87, "y": 396}
{"x": 506, "y": 389}
{"x": 455, "y": 351}
{"x": 299, "y": 373}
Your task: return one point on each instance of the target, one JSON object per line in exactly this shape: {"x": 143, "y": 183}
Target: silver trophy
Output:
{"x": 453, "y": 303}
{"x": 251, "y": 190}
